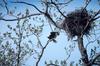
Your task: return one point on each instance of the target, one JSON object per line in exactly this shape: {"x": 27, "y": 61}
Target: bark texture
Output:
{"x": 83, "y": 52}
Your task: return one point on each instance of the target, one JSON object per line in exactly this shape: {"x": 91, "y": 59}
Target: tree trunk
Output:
{"x": 83, "y": 52}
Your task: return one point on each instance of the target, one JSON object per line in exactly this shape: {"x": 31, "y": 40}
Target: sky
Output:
{"x": 54, "y": 51}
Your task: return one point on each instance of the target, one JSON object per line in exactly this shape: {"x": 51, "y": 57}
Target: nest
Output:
{"x": 78, "y": 23}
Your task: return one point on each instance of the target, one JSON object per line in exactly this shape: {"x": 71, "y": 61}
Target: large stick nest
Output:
{"x": 78, "y": 23}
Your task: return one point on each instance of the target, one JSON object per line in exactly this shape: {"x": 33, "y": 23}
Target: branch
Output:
{"x": 52, "y": 65}
{"x": 49, "y": 17}
{"x": 29, "y": 5}
{"x": 42, "y": 53}
{"x": 19, "y": 45}
{"x": 63, "y": 3}
{"x": 96, "y": 63}
{"x": 88, "y": 2}
{"x": 68, "y": 56}
{"x": 46, "y": 14}
{"x": 83, "y": 51}
{"x": 47, "y": 5}
{"x": 16, "y": 19}
{"x": 93, "y": 61}
{"x": 39, "y": 41}
{"x": 6, "y": 6}
{"x": 96, "y": 18}
{"x": 91, "y": 42}
{"x": 58, "y": 9}
{"x": 93, "y": 18}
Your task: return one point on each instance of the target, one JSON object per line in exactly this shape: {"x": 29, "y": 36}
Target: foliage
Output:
{"x": 61, "y": 63}
{"x": 17, "y": 49}
{"x": 7, "y": 55}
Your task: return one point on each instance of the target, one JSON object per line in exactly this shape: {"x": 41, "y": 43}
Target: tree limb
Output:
{"x": 19, "y": 17}
{"x": 63, "y": 3}
{"x": 37, "y": 63}
{"x": 91, "y": 42}
{"x": 93, "y": 18}
{"x": 6, "y": 6}
{"x": 94, "y": 60}
{"x": 58, "y": 9}
{"x": 83, "y": 51}
{"x": 28, "y": 4}
{"x": 46, "y": 14}
{"x": 52, "y": 65}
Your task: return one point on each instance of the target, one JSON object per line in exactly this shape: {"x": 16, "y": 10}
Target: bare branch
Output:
{"x": 52, "y": 65}
{"x": 93, "y": 61}
{"x": 96, "y": 63}
{"x": 91, "y": 42}
{"x": 96, "y": 18}
{"x": 46, "y": 14}
{"x": 6, "y": 6}
{"x": 49, "y": 17}
{"x": 68, "y": 56}
{"x": 58, "y": 9}
{"x": 98, "y": 12}
{"x": 42, "y": 53}
{"x": 88, "y": 2}
{"x": 93, "y": 18}
{"x": 39, "y": 40}
{"x": 63, "y": 3}
{"x": 29, "y": 5}
{"x": 19, "y": 18}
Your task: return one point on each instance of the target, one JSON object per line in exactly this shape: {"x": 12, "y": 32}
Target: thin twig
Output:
{"x": 46, "y": 14}
{"x": 96, "y": 18}
{"x": 37, "y": 63}
{"x": 93, "y": 61}
{"x": 58, "y": 9}
{"x": 52, "y": 65}
{"x": 19, "y": 17}
{"x": 87, "y": 4}
{"x": 49, "y": 17}
{"x": 93, "y": 18}
{"x": 28, "y": 4}
{"x": 47, "y": 5}
{"x": 39, "y": 41}
{"x": 91, "y": 42}
{"x": 19, "y": 44}
{"x": 6, "y": 6}
{"x": 63, "y": 3}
